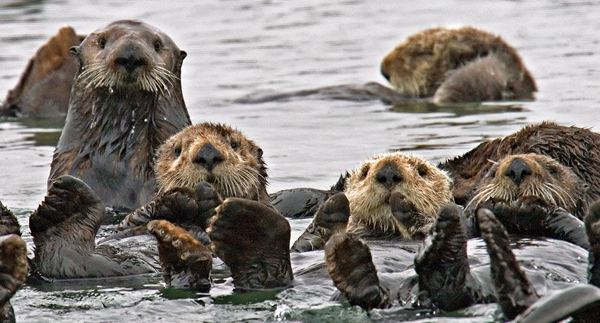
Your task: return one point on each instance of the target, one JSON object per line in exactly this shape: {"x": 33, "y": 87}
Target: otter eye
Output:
{"x": 102, "y": 42}
{"x": 422, "y": 170}
{"x": 177, "y": 151}
{"x": 234, "y": 145}
{"x": 157, "y": 45}
{"x": 552, "y": 170}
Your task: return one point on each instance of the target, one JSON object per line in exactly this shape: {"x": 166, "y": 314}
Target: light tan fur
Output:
{"x": 242, "y": 173}
{"x": 549, "y": 180}
{"x": 423, "y": 185}
{"x": 420, "y": 64}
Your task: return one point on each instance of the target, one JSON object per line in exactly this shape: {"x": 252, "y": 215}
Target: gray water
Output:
{"x": 237, "y": 48}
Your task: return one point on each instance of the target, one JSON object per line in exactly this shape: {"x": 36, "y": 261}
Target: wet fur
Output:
{"x": 424, "y": 187}
{"x": 243, "y": 172}
{"x": 572, "y": 147}
{"x": 115, "y": 125}
{"x": 426, "y": 60}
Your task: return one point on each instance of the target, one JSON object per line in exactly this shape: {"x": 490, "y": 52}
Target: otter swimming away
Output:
{"x": 125, "y": 102}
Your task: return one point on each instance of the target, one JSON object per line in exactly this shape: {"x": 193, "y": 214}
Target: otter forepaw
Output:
{"x": 406, "y": 214}
{"x": 334, "y": 214}
{"x": 13, "y": 265}
{"x": 185, "y": 262}
{"x": 330, "y": 218}
{"x": 352, "y": 270}
{"x": 253, "y": 240}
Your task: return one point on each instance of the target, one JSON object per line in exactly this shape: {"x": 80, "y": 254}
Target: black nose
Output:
{"x": 208, "y": 157}
{"x": 517, "y": 170}
{"x": 388, "y": 175}
{"x": 384, "y": 73}
{"x": 130, "y": 60}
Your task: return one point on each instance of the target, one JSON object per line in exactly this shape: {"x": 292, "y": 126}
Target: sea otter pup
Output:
{"x": 410, "y": 185}
{"x": 44, "y": 87}
{"x": 13, "y": 262}
{"x": 125, "y": 102}
{"x": 572, "y": 147}
{"x": 457, "y": 65}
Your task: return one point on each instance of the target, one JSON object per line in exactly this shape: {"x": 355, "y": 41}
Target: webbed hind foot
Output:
{"x": 352, "y": 270}
{"x": 515, "y": 292}
{"x": 443, "y": 266}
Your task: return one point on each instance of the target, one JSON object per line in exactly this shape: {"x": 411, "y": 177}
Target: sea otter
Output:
{"x": 572, "y": 147}
{"x": 125, "y": 102}
{"x": 407, "y": 182}
{"x": 438, "y": 65}
{"x": 13, "y": 262}
{"x": 44, "y": 87}
{"x": 457, "y": 65}
{"x": 216, "y": 154}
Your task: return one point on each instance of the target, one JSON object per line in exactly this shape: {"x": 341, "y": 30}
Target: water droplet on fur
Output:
{"x": 145, "y": 119}
{"x": 165, "y": 118}
{"x": 110, "y": 90}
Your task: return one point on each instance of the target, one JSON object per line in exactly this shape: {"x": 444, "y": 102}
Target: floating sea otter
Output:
{"x": 457, "y": 65}
{"x": 45, "y": 86}
{"x": 572, "y": 147}
{"x": 125, "y": 102}
{"x": 437, "y": 65}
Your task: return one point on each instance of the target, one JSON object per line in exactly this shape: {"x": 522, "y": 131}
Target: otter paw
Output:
{"x": 352, "y": 270}
{"x": 515, "y": 292}
{"x": 592, "y": 228}
{"x": 330, "y": 218}
{"x": 253, "y": 240}
{"x": 13, "y": 265}
{"x": 68, "y": 199}
{"x": 334, "y": 214}
{"x": 417, "y": 225}
{"x": 185, "y": 262}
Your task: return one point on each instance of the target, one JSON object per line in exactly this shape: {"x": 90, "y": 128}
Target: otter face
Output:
{"x": 424, "y": 187}
{"x": 129, "y": 54}
{"x": 517, "y": 177}
{"x": 215, "y": 153}
{"x": 417, "y": 66}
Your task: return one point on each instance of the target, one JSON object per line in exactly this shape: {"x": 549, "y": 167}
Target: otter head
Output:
{"x": 517, "y": 177}
{"x": 129, "y": 54}
{"x": 417, "y": 66}
{"x": 424, "y": 187}
{"x": 217, "y": 154}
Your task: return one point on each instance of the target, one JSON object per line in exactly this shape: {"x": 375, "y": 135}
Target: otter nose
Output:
{"x": 208, "y": 157}
{"x": 130, "y": 60}
{"x": 517, "y": 170}
{"x": 388, "y": 175}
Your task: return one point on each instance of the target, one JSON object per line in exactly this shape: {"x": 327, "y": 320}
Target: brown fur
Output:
{"x": 242, "y": 172}
{"x": 572, "y": 147}
{"x": 424, "y": 61}
{"x": 424, "y": 187}
{"x": 44, "y": 87}
{"x": 549, "y": 180}
{"x": 119, "y": 115}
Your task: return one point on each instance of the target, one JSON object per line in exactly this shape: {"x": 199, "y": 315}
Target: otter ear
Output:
{"x": 74, "y": 50}
{"x": 182, "y": 55}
